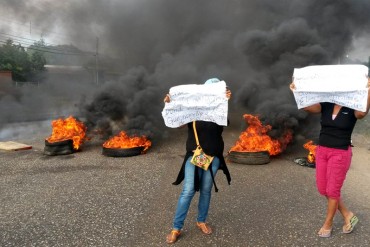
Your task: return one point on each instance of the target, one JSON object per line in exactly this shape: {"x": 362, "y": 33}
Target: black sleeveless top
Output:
{"x": 336, "y": 133}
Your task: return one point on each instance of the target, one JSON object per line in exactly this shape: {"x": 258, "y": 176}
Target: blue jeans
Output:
{"x": 188, "y": 192}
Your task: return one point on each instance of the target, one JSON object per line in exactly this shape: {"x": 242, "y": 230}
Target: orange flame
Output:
{"x": 312, "y": 151}
{"x": 255, "y": 138}
{"x": 68, "y": 129}
{"x": 122, "y": 140}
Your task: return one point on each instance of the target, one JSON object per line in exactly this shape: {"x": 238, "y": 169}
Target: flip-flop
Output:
{"x": 351, "y": 225}
{"x": 325, "y": 233}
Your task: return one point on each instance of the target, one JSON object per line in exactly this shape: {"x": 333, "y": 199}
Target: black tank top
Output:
{"x": 336, "y": 133}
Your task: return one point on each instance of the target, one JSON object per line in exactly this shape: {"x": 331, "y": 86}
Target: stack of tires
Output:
{"x": 58, "y": 148}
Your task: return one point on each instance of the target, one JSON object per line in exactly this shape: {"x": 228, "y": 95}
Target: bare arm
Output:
{"x": 228, "y": 93}
{"x": 167, "y": 98}
{"x": 316, "y": 108}
{"x": 360, "y": 114}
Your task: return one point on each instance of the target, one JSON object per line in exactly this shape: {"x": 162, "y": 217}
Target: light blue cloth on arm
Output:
{"x": 212, "y": 80}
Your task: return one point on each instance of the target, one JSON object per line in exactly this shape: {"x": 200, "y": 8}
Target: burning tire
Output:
{"x": 122, "y": 152}
{"x": 58, "y": 148}
{"x": 249, "y": 158}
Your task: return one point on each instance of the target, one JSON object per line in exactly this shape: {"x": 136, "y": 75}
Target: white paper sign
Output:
{"x": 206, "y": 102}
{"x": 340, "y": 84}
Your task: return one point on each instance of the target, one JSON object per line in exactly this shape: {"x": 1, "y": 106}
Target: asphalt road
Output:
{"x": 87, "y": 199}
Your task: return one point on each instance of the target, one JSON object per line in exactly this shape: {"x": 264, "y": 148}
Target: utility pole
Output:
{"x": 97, "y": 62}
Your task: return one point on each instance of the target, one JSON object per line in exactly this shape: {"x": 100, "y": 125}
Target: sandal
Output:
{"x": 206, "y": 229}
{"x": 351, "y": 225}
{"x": 325, "y": 233}
{"x": 173, "y": 236}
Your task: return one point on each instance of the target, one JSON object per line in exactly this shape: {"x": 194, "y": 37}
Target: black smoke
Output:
{"x": 253, "y": 45}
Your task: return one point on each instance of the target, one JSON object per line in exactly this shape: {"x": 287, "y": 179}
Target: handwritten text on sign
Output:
{"x": 340, "y": 84}
{"x": 205, "y": 102}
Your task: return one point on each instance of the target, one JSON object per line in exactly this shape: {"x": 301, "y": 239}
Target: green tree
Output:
{"x": 24, "y": 66}
{"x": 38, "y": 60}
{"x": 15, "y": 58}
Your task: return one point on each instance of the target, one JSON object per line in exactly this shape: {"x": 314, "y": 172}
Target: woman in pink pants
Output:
{"x": 333, "y": 158}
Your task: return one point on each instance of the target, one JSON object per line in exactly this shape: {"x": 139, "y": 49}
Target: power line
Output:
{"x": 28, "y": 26}
{"x": 26, "y": 41}
{"x": 47, "y": 50}
{"x": 52, "y": 49}
{"x": 19, "y": 37}
{"x": 30, "y": 42}
{"x": 60, "y": 53}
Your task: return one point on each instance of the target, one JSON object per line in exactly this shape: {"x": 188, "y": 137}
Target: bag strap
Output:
{"x": 210, "y": 167}
{"x": 195, "y": 133}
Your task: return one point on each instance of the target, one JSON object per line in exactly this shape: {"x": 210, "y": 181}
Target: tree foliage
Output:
{"x": 38, "y": 59}
{"x": 25, "y": 65}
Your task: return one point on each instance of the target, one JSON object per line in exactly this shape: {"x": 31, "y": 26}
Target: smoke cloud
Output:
{"x": 253, "y": 45}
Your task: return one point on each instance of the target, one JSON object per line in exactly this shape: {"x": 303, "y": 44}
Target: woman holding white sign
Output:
{"x": 209, "y": 135}
{"x": 333, "y": 158}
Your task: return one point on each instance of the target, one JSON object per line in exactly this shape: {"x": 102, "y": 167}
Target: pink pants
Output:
{"x": 331, "y": 169}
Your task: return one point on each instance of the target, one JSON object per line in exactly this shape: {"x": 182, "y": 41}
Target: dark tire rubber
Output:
{"x": 122, "y": 152}
{"x": 58, "y": 148}
{"x": 249, "y": 158}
